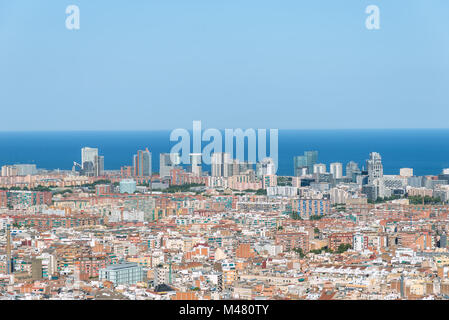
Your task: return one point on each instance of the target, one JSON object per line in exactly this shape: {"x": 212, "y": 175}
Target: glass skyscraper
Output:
{"x": 142, "y": 163}
{"x": 306, "y": 161}
{"x": 312, "y": 158}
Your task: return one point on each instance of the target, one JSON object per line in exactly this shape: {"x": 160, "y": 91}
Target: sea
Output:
{"x": 424, "y": 150}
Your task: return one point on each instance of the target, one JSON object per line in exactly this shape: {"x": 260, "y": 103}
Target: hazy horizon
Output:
{"x": 222, "y": 129}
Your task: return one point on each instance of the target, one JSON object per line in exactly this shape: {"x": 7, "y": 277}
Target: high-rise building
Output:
{"x": 312, "y": 158}
{"x": 99, "y": 166}
{"x": 374, "y": 167}
{"x": 88, "y": 154}
{"x": 195, "y": 162}
{"x": 142, "y": 163}
{"x": 352, "y": 169}
{"x": 300, "y": 163}
{"x": 221, "y": 164}
{"x": 319, "y": 168}
{"x": 266, "y": 167}
{"x": 168, "y": 162}
{"x": 336, "y": 169}
{"x": 235, "y": 167}
{"x": 91, "y": 163}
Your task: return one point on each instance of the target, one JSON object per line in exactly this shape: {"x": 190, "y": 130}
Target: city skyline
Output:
{"x": 424, "y": 150}
{"x": 195, "y": 153}
{"x": 223, "y": 164}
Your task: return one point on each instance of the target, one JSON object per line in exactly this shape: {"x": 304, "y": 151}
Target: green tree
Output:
{"x": 295, "y": 216}
{"x": 300, "y": 252}
{"x": 182, "y": 188}
{"x": 426, "y": 200}
{"x": 325, "y": 249}
{"x": 343, "y": 247}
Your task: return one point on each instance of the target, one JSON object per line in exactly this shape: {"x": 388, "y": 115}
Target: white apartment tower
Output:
{"x": 336, "y": 169}
{"x": 319, "y": 168}
{"x": 195, "y": 161}
{"x": 374, "y": 166}
{"x": 266, "y": 167}
{"x": 221, "y": 164}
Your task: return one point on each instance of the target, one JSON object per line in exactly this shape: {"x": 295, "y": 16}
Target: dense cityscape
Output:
{"x": 238, "y": 231}
{"x": 213, "y": 159}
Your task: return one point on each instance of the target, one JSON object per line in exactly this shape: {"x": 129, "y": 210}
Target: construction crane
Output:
{"x": 76, "y": 164}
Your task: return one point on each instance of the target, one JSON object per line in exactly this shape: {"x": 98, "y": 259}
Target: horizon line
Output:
{"x": 190, "y": 129}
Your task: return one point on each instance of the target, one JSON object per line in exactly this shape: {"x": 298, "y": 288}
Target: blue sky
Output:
{"x": 288, "y": 64}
